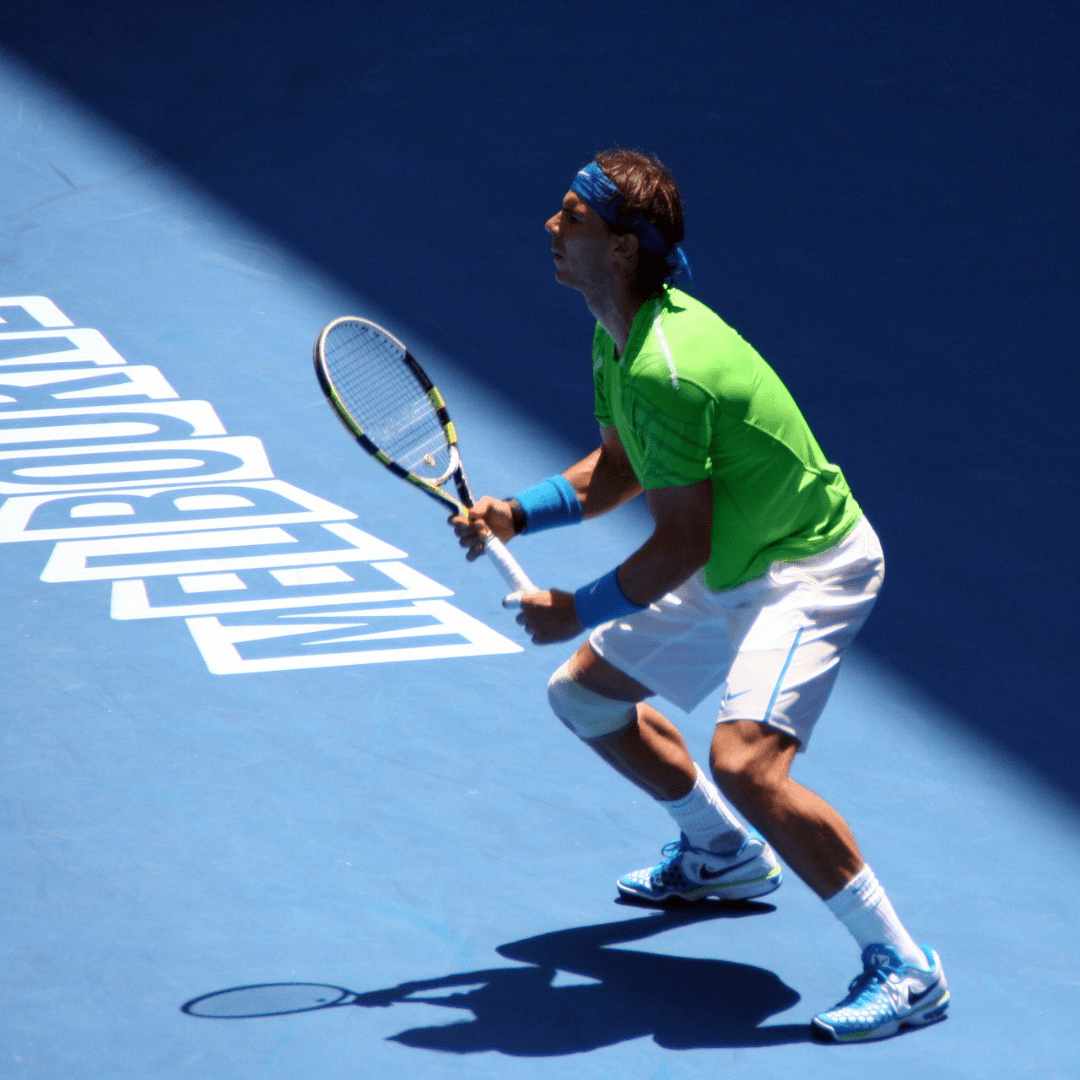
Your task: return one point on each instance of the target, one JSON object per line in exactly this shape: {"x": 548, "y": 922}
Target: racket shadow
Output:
{"x": 574, "y": 993}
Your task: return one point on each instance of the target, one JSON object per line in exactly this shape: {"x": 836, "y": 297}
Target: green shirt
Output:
{"x": 692, "y": 401}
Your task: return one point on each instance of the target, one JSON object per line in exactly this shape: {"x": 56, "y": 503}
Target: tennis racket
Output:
{"x": 385, "y": 399}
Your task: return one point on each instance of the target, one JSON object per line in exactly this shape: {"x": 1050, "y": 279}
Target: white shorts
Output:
{"x": 776, "y": 641}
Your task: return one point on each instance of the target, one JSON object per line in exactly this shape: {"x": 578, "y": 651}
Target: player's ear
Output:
{"x": 625, "y": 249}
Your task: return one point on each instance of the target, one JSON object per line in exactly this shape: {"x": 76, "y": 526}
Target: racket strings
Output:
{"x": 382, "y": 395}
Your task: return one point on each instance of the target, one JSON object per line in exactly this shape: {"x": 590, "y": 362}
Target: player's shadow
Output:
{"x": 601, "y": 995}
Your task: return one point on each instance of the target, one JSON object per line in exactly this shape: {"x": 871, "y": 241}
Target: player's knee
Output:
{"x": 744, "y": 789}
{"x": 728, "y": 767}
{"x": 587, "y": 714}
{"x": 744, "y": 776}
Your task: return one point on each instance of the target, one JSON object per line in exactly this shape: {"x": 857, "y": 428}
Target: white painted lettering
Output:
{"x": 89, "y": 347}
{"x": 167, "y": 420}
{"x": 40, "y": 308}
{"x": 71, "y": 559}
{"x": 231, "y": 457}
{"x": 162, "y": 509}
{"x": 240, "y": 648}
{"x": 35, "y": 391}
{"x": 186, "y": 520}
{"x": 131, "y": 599}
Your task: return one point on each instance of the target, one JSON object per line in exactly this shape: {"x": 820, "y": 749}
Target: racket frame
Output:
{"x": 493, "y": 546}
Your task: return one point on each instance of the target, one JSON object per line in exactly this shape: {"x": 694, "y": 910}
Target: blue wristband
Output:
{"x": 603, "y": 600}
{"x": 549, "y": 505}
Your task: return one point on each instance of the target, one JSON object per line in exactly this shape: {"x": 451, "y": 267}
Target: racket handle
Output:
{"x": 508, "y": 566}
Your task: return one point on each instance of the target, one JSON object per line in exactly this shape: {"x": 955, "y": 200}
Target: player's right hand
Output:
{"x": 488, "y": 515}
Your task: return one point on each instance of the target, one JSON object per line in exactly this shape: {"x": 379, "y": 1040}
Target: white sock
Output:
{"x": 862, "y": 906}
{"x": 706, "y": 819}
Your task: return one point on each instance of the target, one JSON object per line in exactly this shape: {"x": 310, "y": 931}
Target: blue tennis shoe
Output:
{"x": 688, "y": 873}
{"x": 887, "y": 996}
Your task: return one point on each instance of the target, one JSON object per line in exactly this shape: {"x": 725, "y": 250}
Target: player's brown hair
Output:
{"x": 650, "y": 190}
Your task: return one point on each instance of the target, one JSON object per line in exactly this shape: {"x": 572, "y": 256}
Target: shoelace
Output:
{"x": 863, "y": 983}
{"x": 669, "y": 853}
{"x": 672, "y": 848}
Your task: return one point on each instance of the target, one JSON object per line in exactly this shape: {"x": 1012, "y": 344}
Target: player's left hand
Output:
{"x": 549, "y": 616}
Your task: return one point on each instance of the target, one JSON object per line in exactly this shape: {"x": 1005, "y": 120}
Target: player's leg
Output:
{"x": 716, "y": 855}
{"x": 646, "y": 747}
{"x": 810, "y": 612}
{"x": 751, "y": 763}
{"x": 902, "y": 983}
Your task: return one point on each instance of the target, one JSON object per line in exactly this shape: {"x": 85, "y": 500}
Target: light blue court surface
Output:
{"x": 271, "y": 747}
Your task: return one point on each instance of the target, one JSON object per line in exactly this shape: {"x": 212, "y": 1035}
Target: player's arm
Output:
{"x": 605, "y": 479}
{"x": 679, "y": 546}
{"x": 594, "y": 485}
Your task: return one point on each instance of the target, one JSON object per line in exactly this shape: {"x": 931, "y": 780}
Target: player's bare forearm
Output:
{"x": 602, "y": 481}
{"x": 670, "y": 556}
{"x": 679, "y": 546}
{"x": 605, "y": 479}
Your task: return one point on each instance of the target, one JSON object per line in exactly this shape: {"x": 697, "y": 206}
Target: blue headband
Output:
{"x": 600, "y": 192}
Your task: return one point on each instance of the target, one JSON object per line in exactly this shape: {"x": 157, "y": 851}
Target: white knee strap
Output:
{"x": 586, "y": 713}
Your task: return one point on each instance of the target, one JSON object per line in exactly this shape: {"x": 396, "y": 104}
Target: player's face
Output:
{"x": 582, "y": 245}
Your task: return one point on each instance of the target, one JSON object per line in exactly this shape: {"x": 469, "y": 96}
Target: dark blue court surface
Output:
{"x": 274, "y": 753}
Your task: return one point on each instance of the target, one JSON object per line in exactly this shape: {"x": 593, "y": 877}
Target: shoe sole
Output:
{"x": 931, "y": 1013}
{"x": 734, "y": 890}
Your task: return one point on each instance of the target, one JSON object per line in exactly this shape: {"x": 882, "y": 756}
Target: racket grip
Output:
{"x": 508, "y": 566}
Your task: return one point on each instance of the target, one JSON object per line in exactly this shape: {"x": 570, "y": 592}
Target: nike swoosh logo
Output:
{"x": 732, "y": 697}
{"x": 914, "y": 999}
{"x": 712, "y": 875}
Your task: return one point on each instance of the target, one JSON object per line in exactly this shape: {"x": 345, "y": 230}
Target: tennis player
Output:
{"x": 759, "y": 573}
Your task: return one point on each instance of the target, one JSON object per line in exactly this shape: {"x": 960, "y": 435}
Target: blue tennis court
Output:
{"x": 282, "y": 795}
